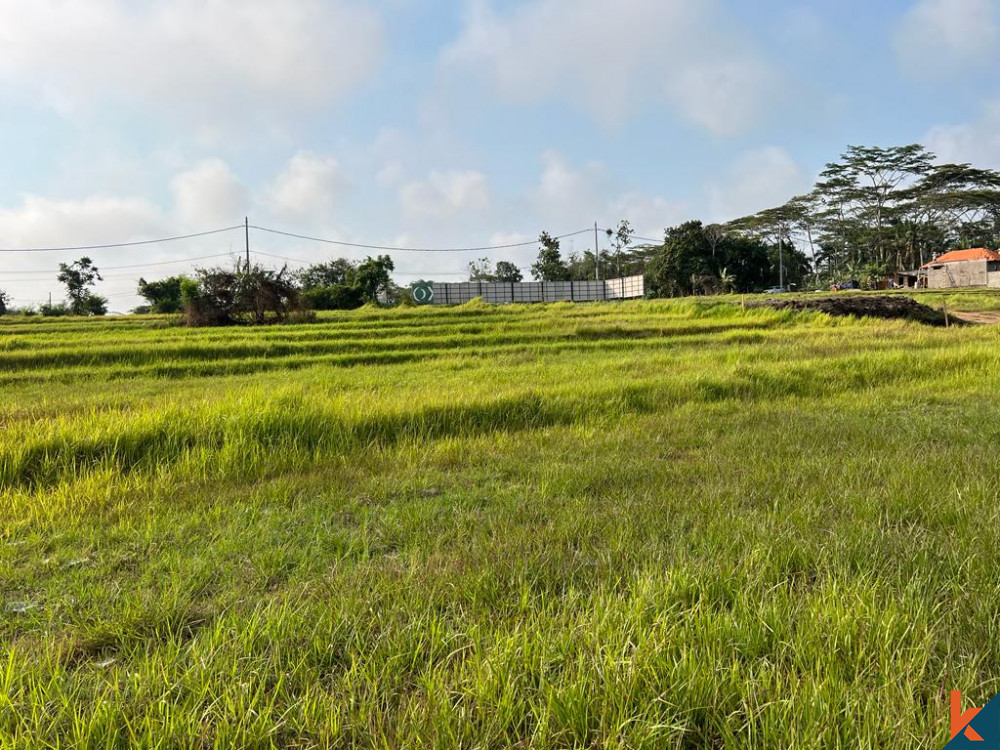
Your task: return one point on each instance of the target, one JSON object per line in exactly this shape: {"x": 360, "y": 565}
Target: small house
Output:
{"x": 959, "y": 268}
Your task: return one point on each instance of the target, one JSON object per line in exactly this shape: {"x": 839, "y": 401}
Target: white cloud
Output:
{"x": 803, "y": 27}
{"x": 567, "y": 194}
{"x": 977, "y": 142}
{"x": 208, "y": 59}
{"x": 937, "y": 36}
{"x": 445, "y": 195}
{"x": 568, "y": 197}
{"x": 42, "y": 222}
{"x": 209, "y": 196}
{"x": 308, "y": 189}
{"x": 509, "y": 238}
{"x": 38, "y": 221}
{"x": 391, "y": 174}
{"x": 609, "y": 56}
{"x": 759, "y": 179}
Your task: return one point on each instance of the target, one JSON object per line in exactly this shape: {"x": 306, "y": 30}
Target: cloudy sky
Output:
{"x": 452, "y": 123}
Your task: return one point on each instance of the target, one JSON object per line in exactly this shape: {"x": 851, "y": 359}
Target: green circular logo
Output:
{"x": 423, "y": 293}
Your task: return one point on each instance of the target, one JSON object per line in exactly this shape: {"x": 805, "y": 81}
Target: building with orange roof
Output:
{"x": 978, "y": 266}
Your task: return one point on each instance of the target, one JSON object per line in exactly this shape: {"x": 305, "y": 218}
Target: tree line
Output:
{"x": 243, "y": 293}
{"x": 875, "y": 210}
{"x": 872, "y": 211}
{"x": 250, "y": 293}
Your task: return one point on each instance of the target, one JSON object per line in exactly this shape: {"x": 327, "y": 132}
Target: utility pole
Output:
{"x": 597, "y": 255}
{"x": 781, "y": 264}
{"x": 246, "y": 226}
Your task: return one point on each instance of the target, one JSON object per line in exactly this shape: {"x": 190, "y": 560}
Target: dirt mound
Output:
{"x": 888, "y": 307}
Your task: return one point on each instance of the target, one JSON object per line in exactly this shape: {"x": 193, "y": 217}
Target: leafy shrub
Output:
{"x": 164, "y": 296}
{"x": 333, "y": 297}
{"x": 247, "y": 294}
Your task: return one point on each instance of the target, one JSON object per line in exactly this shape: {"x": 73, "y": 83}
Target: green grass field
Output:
{"x": 648, "y": 525}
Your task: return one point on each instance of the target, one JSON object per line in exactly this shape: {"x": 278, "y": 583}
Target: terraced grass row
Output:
{"x": 667, "y": 524}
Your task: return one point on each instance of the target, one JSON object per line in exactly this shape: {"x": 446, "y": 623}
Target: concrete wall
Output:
{"x": 539, "y": 291}
{"x": 962, "y": 273}
{"x": 993, "y": 279}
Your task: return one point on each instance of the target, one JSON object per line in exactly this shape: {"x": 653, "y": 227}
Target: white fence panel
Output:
{"x": 631, "y": 287}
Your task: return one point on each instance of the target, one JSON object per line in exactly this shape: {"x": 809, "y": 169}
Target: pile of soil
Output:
{"x": 888, "y": 307}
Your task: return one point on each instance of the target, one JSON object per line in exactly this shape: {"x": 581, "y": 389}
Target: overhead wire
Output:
{"x": 110, "y": 245}
{"x": 391, "y": 248}
{"x": 268, "y": 230}
{"x": 120, "y": 268}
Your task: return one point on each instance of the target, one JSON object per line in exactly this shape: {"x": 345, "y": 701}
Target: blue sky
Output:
{"x": 423, "y": 122}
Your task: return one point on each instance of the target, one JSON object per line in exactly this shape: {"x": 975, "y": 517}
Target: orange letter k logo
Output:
{"x": 960, "y": 721}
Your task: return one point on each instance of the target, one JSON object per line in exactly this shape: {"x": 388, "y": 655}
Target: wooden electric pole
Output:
{"x": 597, "y": 255}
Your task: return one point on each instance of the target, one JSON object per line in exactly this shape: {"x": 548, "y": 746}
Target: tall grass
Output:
{"x": 665, "y": 524}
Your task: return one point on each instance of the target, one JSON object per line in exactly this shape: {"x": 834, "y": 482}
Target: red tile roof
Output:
{"x": 955, "y": 256}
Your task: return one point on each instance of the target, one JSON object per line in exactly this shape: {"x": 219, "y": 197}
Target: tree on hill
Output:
{"x": 481, "y": 270}
{"x": 695, "y": 261}
{"x": 686, "y": 254}
{"x": 550, "y": 265}
{"x": 4, "y": 302}
{"x": 331, "y": 286}
{"x": 374, "y": 278}
{"x": 80, "y": 276}
{"x": 331, "y": 273}
{"x": 621, "y": 238}
{"x": 484, "y": 270}
{"x": 245, "y": 294}
{"x": 164, "y": 296}
{"x": 507, "y": 272}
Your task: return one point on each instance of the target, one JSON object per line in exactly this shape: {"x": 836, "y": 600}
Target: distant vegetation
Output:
{"x": 255, "y": 294}
{"x": 878, "y": 209}
{"x": 80, "y": 277}
{"x": 874, "y": 210}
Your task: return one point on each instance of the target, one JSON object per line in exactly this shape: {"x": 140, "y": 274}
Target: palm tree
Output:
{"x": 727, "y": 281}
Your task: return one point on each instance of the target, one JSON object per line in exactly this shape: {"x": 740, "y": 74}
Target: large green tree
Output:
{"x": 374, "y": 277}
{"x": 332, "y": 285}
{"x": 332, "y": 273}
{"x": 164, "y": 296}
{"x": 550, "y": 265}
{"x": 484, "y": 270}
{"x": 699, "y": 259}
{"x": 80, "y": 276}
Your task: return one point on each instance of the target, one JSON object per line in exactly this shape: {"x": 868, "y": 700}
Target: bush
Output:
{"x": 333, "y": 297}
{"x": 54, "y": 310}
{"x": 248, "y": 294}
{"x": 164, "y": 296}
{"x": 94, "y": 304}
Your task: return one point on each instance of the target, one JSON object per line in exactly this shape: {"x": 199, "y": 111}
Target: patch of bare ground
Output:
{"x": 888, "y": 307}
{"x": 988, "y": 318}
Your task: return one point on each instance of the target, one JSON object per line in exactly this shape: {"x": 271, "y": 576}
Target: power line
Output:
{"x": 405, "y": 273}
{"x": 411, "y": 249}
{"x": 117, "y": 244}
{"x": 119, "y": 268}
{"x": 281, "y": 257}
{"x": 634, "y": 236}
